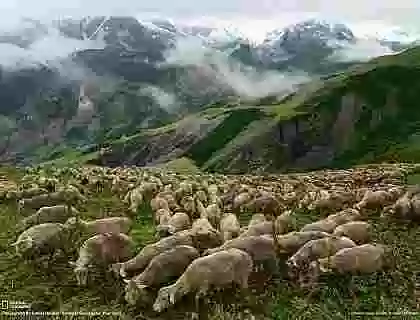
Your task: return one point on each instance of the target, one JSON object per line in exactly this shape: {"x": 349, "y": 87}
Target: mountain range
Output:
{"x": 138, "y": 76}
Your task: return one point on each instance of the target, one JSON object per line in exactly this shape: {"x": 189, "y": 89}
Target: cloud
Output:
{"x": 164, "y": 99}
{"x": 360, "y": 51}
{"x": 244, "y": 80}
{"x": 46, "y": 49}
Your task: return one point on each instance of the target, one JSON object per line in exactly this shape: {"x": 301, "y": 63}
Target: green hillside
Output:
{"x": 366, "y": 114}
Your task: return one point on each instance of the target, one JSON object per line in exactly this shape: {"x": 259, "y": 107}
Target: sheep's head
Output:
{"x": 81, "y": 273}
{"x": 165, "y": 297}
{"x": 23, "y": 245}
{"x": 71, "y": 222}
{"x": 133, "y": 292}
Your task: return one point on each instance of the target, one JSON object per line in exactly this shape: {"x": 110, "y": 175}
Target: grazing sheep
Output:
{"x": 101, "y": 250}
{"x": 324, "y": 225}
{"x": 205, "y": 235}
{"x": 283, "y": 222}
{"x": 50, "y": 199}
{"x": 345, "y": 216}
{"x": 178, "y": 222}
{"x": 260, "y": 248}
{"x": 214, "y": 214}
{"x": 266, "y": 204}
{"x": 291, "y": 242}
{"x": 218, "y": 270}
{"x": 142, "y": 259}
{"x": 367, "y": 258}
{"x": 256, "y": 219}
{"x": 41, "y": 239}
{"x": 358, "y": 231}
{"x": 375, "y": 200}
{"x": 258, "y": 229}
{"x": 240, "y": 201}
{"x": 162, "y": 216}
{"x": 101, "y": 226}
{"x": 229, "y": 227}
{"x": 161, "y": 269}
{"x": 159, "y": 203}
{"x": 58, "y": 214}
{"x": 135, "y": 199}
{"x": 318, "y": 249}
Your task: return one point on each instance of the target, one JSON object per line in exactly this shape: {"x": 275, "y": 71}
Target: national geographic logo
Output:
{"x": 13, "y": 305}
{"x": 4, "y": 304}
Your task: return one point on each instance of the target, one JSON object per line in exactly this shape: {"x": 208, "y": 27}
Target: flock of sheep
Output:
{"x": 201, "y": 243}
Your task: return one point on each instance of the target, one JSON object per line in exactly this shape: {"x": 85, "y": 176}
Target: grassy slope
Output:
{"x": 394, "y": 139}
{"x": 55, "y": 289}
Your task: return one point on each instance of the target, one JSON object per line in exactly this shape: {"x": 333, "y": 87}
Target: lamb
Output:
{"x": 178, "y": 222}
{"x": 367, "y": 258}
{"x": 358, "y": 231}
{"x": 142, "y": 259}
{"x": 101, "y": 226}
{"x": 41, "y": 239}
{"x": 58, "y": 214}
{"x": 291, "y": 242}
{"x": 161, "y": 269}
{"x": 229, "y": 227}
{"x": 221, "y": 269}
{"x": 318, "y": 249}
{"x": 101, "y": 250}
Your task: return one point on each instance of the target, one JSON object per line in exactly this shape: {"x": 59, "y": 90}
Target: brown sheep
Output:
{"x": 358, "y": 231}
{"x": 161, "y": 269}
{"x": 367, "y": 258}
{"x": 142, "y": 259}
{"x": 218, "y": 270}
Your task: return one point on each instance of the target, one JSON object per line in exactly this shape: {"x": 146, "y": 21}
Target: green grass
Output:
{"x": 55, "y": 289}
{"x": 222, "y": 134}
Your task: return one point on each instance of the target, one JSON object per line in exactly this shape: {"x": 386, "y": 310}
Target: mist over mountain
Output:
{"x": 148, "y": 72}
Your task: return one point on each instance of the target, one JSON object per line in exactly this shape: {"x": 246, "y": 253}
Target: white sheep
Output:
{"x": 229, "y": 227}
{"x": 358, "y": 231}
{"x": 142, "y": 259}
{"x": 161, "y": 269}
{"x": 52, "y": 214}
{"x": 318, "y": 249}
{"x": 105, "y": 225}
{"x": 366, "y": 258}
{"x": 218, "y": 270}
{"x": 291, "y": 242}
{"x": 41, "y": 239}
{"x": 260, "y": 248}
{"x": 101, "y": 250}
{"x": 178, "y": 222}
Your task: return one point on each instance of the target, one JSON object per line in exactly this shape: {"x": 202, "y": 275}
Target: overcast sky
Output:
{"x": 398, "y": 12}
